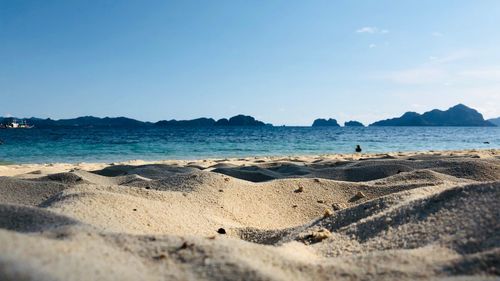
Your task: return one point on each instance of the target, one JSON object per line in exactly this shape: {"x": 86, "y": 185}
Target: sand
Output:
{"x": 397, "y": 216}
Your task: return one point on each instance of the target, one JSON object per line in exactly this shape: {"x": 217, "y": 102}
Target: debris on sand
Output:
{"x": 186, "y": 245}
{"x": 359, "y": 195}
{"x": 221, "y": 231}
{"x": 315, "y": 236}
{"x": 338, "y": 206}
{"x": 327, "y": 213}
{"x": 299, "y": 189}
{"x": 160, "y": 257}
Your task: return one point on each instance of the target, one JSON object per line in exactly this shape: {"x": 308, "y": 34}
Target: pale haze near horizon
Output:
{"x": 283, "y": 62}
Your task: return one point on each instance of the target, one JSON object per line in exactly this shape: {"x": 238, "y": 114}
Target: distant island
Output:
{"x": 238, "y": 120}
{"x": 353, "y": 124}
{"x": 123, "y": 122}
{"x": 85, "y": 121}
{"x": 458, "y": 115}
{"x": 495, "y": 121}
{"x": 325, "y": 123}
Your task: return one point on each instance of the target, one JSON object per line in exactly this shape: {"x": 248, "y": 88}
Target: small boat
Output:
{"x": 15, "y": 125}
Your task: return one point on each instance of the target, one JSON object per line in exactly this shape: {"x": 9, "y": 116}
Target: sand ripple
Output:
{"x": 394, "y": 216}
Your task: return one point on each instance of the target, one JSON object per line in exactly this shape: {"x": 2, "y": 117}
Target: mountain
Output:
{"x": 353, "y": 124}
{"x": 458, "y": 115}
{"x": 243, "y": 120}
{"x": 238, "y": 120}
{"x": 199, "y": 122}
{"x": 495, "y": 121}
{"x": 85, "y": 121}
{"x": 325, "y": 123}
{"x": 222, "y": 122}
{"x": 90, "y": 121}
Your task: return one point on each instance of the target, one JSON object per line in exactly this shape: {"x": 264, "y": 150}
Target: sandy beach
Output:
{"x": 397, "y": 216}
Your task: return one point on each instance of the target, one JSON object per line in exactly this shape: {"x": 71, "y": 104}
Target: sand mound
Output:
{"x": 419, "y": 178}
{"x": 185, "y": 182}
{"x": 368, "y": 169}
{"x": 151, "y": 171}
{"x": 343, "y": 172}
{"x": 28, "y": 219}
{"x": 251, "y": 173}
{"x": 69, "y": 178}
{"x": 470, "y": 169}
{"x": 386, "y": 217}
{"x": 27, "y": 192}
{"x": 464, "y": 219}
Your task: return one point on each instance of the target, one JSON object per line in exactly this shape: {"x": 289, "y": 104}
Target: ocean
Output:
{"x": 75, "y": 145}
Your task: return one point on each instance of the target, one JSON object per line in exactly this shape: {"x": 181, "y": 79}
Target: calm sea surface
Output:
{"x": 118, "y": 144}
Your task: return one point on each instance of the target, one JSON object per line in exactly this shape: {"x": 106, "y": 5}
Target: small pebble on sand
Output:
{"x": 338, "y": 206}
{"x": 160, "y": 257}
{"x": 327, "y": 213}
{"x": 359, "y": 195}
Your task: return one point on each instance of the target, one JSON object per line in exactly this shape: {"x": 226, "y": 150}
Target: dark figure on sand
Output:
{"x": 358, "y": 148}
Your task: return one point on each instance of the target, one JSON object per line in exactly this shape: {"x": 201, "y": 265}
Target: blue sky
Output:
{"x": 284, "y": 62}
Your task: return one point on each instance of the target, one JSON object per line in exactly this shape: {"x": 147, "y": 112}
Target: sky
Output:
{"x": 284, "y": 62}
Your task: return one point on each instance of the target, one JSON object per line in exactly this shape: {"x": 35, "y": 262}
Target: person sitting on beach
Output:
{"x": 358, "y": 148}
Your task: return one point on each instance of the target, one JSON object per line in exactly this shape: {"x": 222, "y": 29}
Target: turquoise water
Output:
{"x": 119, "y": 144}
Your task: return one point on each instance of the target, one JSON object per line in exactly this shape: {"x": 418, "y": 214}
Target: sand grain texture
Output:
{"x": 397, "y": 216}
